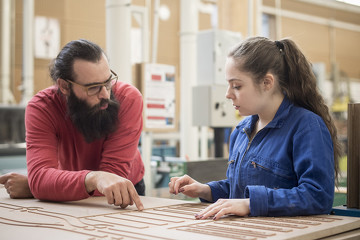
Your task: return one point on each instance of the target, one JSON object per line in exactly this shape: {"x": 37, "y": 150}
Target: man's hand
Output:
{"x": 189, "y": 187}
{"x": 118, "y": 190}
{"x": 16, "y": 185}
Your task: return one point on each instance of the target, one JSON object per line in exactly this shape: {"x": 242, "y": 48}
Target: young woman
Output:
{"x": 283, "y": 157}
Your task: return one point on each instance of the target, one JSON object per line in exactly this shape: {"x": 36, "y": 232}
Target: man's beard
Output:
{"x": 93, "y": 122}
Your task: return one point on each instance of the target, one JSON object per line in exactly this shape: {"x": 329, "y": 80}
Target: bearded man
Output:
{"x": 82, "y": 134}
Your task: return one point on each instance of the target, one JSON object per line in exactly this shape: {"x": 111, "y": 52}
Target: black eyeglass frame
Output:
{"x": 104, "y": 84}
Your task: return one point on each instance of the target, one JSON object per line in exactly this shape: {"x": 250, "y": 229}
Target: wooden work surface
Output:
{"x": 162, "y": 219}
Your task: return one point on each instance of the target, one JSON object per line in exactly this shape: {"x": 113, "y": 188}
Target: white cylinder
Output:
{"x": 28, "y": 51}
{"x": 189, "y": 135}
{"x": 250, "y": 18}
{"x": 155, "y": 31}
{"x": 5, "y": 51}
{"x": 259, "y": 12}
{"x": 118, "y": 37}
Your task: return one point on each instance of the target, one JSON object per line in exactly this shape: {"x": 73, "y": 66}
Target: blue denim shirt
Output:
{"x": 288, "y": 167}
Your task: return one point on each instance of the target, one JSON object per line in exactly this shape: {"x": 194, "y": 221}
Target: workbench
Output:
{"x": 162, "y": 218}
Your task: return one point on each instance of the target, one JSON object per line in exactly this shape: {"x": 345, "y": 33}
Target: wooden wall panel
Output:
{"x": 74, "y": 30}
{"x": 51, "y": 8}
{"x": 348, "y": 52}
{"x": 317, "y": 47}
{"x": 314, "y": 40}
{"x": 86, "y": 19}
{"x": 169, "y": 36}
{"x": 233, "y": 15}
{"x": 42, "y": 77}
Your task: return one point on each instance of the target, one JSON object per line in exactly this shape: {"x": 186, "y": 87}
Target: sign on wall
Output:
{"x": 158, "y": 84}
{"x": 47, "y": 37}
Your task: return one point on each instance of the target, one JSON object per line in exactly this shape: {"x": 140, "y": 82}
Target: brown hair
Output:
{"x": 259, "y": 56}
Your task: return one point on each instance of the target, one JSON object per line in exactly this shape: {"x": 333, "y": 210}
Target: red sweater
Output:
{"x": 58, "y": 157}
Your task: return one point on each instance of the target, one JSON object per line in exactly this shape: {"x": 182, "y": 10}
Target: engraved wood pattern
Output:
{"x": 163, "y": 219}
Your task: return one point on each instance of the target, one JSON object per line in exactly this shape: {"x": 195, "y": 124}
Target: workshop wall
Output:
{"x": 86, "y": 19}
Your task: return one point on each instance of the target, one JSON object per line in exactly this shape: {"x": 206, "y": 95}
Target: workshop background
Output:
{"x": 186, "y": 41}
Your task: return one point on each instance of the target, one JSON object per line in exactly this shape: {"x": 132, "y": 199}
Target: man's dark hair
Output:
{"x": 62, "y": 65}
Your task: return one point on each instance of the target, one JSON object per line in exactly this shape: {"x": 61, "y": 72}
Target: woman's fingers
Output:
{"x": 210, "y": 210}
{"x": 177, "y": 182}
{"x": 171, "y": 185}
{"x": 224, "y": 207}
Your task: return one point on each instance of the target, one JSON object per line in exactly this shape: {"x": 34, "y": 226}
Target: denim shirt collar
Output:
{"x": 278, "y": 120}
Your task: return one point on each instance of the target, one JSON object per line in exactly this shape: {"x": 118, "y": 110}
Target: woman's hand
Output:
{"x": 223, "y": 207}
{"x": 189, "y": 187}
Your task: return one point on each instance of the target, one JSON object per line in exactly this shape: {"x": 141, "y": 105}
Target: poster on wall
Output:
{"x": 159, "y": 92}
{"x": 47, "y": 37}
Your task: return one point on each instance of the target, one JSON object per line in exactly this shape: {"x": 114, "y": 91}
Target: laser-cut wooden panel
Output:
{"x": 163, "y": 219}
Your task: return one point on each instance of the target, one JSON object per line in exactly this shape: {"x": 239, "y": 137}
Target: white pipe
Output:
{"x": 6, "y": 94}
{"x": 313, "y": 19}
{"x": 204, "y": 142}
{"x": 28, "y": 51}
{"x": 259, "y": 12}
{"x": 141, "y": 15}
{"x": 118, "y": 37}
{"x": 146, "y": 137}
{"x": 146, "y": 152}
{"x": 148, "y": 7}
{"x": 208, "y": 8}
{"x": 155, "y": 31}
{"x": 250, "y": 18}
{"x": 278, "y": 19}
{"x": 189, "y": 135}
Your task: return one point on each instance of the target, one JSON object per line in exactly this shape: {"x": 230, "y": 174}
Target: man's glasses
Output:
{"x": 95, "y": 89}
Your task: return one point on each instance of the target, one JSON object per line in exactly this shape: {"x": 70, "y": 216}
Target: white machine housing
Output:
{"x": 210, "y": 106}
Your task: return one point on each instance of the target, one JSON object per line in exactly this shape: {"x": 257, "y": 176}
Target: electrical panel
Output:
{"x": 211, "y": 107}
{"x": 212, "y": 49}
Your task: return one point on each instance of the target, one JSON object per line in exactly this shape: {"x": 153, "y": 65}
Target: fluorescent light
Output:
{"x": 353, "y": 2}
